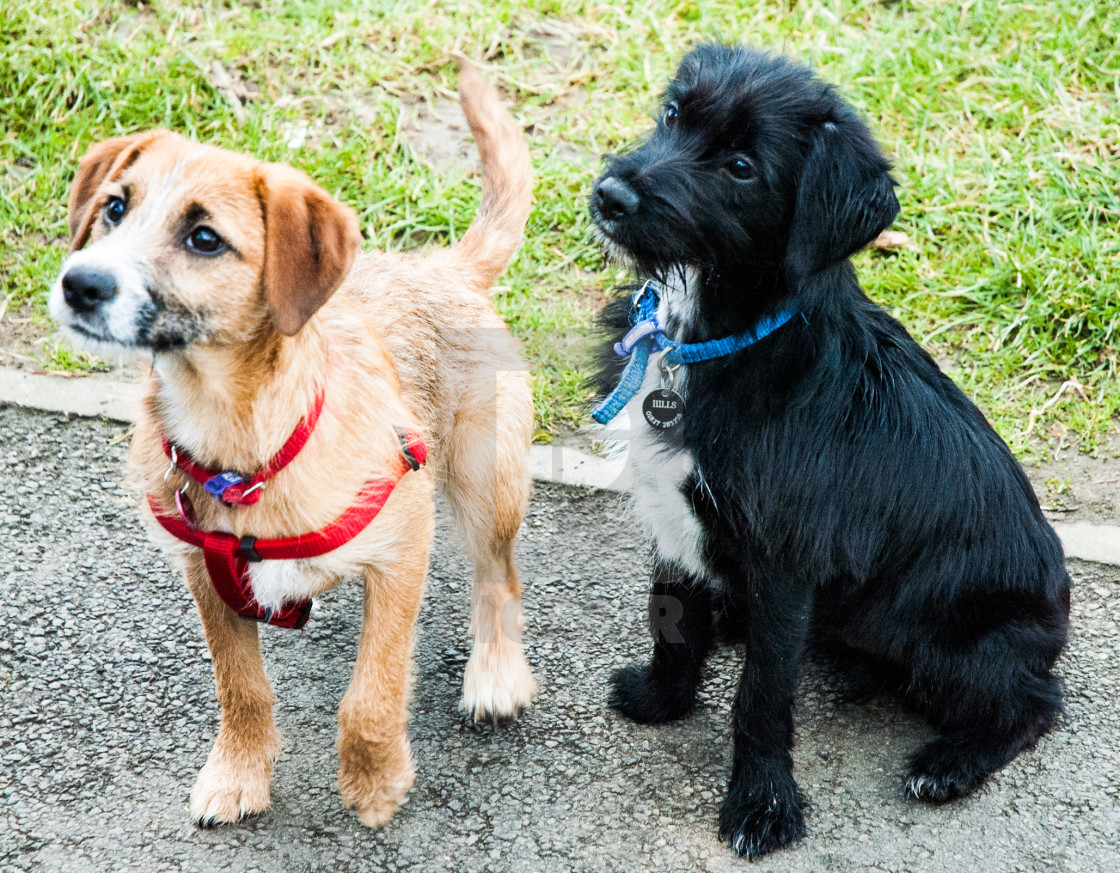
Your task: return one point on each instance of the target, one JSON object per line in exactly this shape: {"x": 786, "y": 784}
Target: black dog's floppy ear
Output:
{"x": 845, "y": 197}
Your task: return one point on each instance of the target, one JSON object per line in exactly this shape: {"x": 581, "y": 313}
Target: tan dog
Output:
{"x": 240, "y": 279}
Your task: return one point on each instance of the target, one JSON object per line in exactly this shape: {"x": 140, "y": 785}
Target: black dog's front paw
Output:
{"x": 762, "y": 818}
{"x": 649, "y": 699}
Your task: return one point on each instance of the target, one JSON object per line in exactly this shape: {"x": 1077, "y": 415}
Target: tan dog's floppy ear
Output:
{"x": 104, "y": 160}
{"x": 311, "y": 241}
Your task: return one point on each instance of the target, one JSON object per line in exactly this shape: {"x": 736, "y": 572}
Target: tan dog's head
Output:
{"x": 189, "y": 244}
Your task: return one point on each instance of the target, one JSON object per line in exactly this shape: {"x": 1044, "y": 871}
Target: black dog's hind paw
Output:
{"x": 646, "y": 699}
{"x": 756, "y": 824}
{"x": 943, "y": 770}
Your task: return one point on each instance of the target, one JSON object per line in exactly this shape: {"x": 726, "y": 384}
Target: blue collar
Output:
{"x": 648, "y": 335}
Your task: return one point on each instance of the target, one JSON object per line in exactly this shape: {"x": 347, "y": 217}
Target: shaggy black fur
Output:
{"x": 850, "y": 491}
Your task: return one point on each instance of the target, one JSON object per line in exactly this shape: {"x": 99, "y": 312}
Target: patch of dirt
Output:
{"x": 438, "y": 134}
{"x": 1075, "y": 487}
{"x": 21, "y": 340}
{"x": 561, "y": 45}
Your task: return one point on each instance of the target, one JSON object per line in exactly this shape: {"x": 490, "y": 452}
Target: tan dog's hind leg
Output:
{"x": 235, "y": 781}
{"x": 488, "y": 486}
{"x": 375, "y": 760}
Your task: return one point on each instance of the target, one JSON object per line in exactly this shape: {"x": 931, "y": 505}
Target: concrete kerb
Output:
{"x": 103, "y": 396}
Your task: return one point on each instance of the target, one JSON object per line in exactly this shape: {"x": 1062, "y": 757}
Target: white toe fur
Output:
{"x": 498, "y": 683}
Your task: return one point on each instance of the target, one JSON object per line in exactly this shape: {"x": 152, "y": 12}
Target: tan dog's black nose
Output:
{"x": 86, "y": 288}
{"x": 614, "y": 199}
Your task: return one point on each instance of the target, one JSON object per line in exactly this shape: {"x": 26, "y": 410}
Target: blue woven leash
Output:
{"x": 648, "y": 335}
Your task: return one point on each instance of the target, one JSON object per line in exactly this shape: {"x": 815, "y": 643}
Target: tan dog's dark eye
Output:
{"x": 114, "y": 210}
{"x": 205, "y": 242}
{"x": 741, "y": 167}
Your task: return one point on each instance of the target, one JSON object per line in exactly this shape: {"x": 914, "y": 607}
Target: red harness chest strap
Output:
{"x": 228, "y": 556}
{"x": 230, "y": 487}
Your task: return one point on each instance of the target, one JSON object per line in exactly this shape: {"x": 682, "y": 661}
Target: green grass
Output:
{"x": 1003, "y": 119}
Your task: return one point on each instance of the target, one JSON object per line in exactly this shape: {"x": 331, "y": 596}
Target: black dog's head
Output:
{"x": 755, "y": 169}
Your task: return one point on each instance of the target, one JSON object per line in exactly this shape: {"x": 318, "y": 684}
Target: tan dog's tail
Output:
{"x": 507, "y": 180}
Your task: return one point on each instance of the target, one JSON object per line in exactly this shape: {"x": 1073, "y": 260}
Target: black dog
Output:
{"x": 826, "y": 481}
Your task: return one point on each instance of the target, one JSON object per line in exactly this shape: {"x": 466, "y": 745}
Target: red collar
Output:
{"x": 228, "y": 556}
{"x": 230, "y": 487}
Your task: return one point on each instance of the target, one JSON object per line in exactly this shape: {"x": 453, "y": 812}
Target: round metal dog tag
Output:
{"x": 663, "y": 408}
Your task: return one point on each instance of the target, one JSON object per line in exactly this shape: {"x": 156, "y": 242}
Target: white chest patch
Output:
{"x": 659, "y": 502}
{"x": 659, "y": 472}
{"x": 278, "y": 582}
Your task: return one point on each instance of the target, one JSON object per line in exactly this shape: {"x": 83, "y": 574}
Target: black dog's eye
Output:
{"x": 205, "y": 242}
{"x": 669, "y": 117}
{"x": 114, "y": 210}
{"x": 741, "y": 167}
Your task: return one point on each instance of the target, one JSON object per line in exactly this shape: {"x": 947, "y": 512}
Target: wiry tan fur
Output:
{"x": 402, "y": 341}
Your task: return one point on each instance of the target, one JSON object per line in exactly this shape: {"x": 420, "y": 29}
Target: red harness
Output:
{"x": 228, "y": 556}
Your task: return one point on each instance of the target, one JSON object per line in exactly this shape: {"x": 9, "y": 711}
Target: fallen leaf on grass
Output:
{"x": 236, "y": 91}
{"x": 223, "y": 83}
{"x": 893, "y": 241}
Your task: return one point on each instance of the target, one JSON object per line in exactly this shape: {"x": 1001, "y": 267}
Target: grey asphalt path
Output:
{"x": 107, "y": 711}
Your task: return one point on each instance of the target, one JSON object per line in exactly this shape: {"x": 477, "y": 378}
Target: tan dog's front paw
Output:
{"x": 374, "y": 778}
{"x": 497, "y": 683}
{"x": 228, "y": 791}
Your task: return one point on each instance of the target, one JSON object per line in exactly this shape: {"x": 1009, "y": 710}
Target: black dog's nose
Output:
{"x": 614, "y": 199}
{"x": 84, "y": 288}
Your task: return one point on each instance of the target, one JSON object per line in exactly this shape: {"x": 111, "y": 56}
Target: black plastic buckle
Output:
{"x": 406, "y": 450}
{"x": 305, "y": 614}
{"x": 248, "y": 549}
